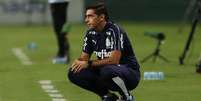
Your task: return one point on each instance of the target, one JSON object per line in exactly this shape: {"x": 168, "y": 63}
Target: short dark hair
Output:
{"x": 99, "y": 9}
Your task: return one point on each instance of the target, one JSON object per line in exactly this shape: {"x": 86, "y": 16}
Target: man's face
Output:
{"x": 92, "y": 20}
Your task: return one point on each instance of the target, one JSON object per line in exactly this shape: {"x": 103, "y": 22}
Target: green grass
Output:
{"x": 20, "y": 82}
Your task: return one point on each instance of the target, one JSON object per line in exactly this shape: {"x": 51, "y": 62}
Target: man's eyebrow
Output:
{"x": 88, "y": 14}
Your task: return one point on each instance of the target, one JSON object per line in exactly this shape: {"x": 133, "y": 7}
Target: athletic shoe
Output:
{"x": 110, "y": 97}
{"x": 130, "y": 98}
{"x": 59, "y": 60}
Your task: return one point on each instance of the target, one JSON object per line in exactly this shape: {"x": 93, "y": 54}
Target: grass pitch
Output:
{"x": 20, "y": 82}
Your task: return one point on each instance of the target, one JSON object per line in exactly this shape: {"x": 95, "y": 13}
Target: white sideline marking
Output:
{"x": 51, "y": 91}
{"x": 55, "y": 99}
{"x": 56, "y": 95}
{"x": 45, "y": 82}
{"x": 47, "y": 86}
{"x": 22, "y": 56}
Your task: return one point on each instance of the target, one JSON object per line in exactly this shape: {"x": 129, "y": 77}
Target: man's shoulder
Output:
{"x": 90, "y": 32}
{"x": 111, "y": 24}
{"x": 114, "y": 27}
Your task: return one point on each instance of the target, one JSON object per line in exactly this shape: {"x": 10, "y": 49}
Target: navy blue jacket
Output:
{"x": 111, "y": 38}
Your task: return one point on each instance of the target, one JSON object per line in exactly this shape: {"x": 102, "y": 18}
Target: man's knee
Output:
{"x": 84, "y": 74}
{"x": 71, "y": 76}
{"x": 108, "y": 72}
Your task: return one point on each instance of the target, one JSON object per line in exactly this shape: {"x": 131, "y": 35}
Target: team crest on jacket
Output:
{"x": 108, "y": 33}
{"x": 107, "y": 43}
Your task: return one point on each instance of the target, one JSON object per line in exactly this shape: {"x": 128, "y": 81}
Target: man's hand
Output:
{"x": 78, "y": 65}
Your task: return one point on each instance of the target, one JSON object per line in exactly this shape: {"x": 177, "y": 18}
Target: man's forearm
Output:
{"x": 84, "y": 57}
{"x": 113, "y": 59}
{"x": 106, "y": 61}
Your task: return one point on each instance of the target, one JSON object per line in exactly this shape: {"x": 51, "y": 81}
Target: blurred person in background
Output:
{"x": 59, "y": 13}
{"x": 116, "y": 67}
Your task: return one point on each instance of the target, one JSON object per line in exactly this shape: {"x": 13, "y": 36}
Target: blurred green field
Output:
{"x": 20, "y": 82}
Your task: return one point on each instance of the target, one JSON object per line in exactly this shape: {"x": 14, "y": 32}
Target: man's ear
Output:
{"x": 102, "y": 16}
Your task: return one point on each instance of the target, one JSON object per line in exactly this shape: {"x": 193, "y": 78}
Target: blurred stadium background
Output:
{"x": 28, "y": 21}
{"x": 36, "y": 11}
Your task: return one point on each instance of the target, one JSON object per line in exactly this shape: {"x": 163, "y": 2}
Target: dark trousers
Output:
{"x": 59, "y": 17}
{"x": 100, "y": 81}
